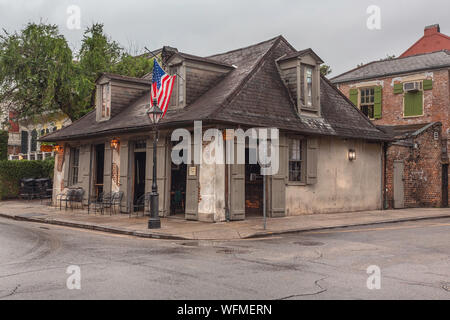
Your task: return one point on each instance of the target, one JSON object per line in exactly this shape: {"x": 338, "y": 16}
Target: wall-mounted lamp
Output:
{"x": 351, "y": 154}
{"x": 115, "y": 143}
{"x": 58, "y": 149}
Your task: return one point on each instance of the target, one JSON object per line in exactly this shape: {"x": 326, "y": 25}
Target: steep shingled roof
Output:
{"x": 251, "y": 94}
{"x": 376, "y": 69}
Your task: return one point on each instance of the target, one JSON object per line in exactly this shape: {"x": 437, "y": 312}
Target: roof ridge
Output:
{"x": 387, "y": 60}
{"x": 247, "y": 77}
{"x": 247, "y": 47}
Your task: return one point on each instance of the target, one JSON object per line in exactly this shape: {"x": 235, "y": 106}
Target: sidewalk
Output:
{"x": 180, "y": 229}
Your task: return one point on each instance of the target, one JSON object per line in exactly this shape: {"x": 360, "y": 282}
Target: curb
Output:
{"x": 260, "y": 234}
{"x": 265, "y": 234}
{"x": 95, "y": 227}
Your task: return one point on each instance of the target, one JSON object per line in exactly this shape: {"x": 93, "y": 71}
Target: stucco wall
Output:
{"x": 342, "y": 185}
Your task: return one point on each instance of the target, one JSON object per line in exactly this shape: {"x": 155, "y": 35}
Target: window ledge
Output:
{"x": 409, "y": 117}
{"x": 296, "y": 183}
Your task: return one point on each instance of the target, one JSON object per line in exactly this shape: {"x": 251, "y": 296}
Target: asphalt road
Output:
{"x": 413, "y": 257}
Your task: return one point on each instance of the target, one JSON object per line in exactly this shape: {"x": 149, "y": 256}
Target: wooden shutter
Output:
{"x": 398, "y": 88}
{"x": 354, "y": 96}
{"x": 378, "y": 97}
{"x": 237, "y": 187}
{"x": 107, "y": 169}
{"x": 84, "y": 168}
{"x": 427, "y": 84}
{"x": 67, "y": 151}
{"x": 277, "y": 184}
{"x": 413, "y": 104}
{"x": 311, "y": 160}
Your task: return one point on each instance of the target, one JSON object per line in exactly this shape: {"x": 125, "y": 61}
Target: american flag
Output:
{"x": 162, "y": 86}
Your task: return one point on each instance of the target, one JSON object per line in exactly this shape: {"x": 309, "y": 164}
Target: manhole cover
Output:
{"x": 225, "y": 251}
{"x": 309, "y": 243}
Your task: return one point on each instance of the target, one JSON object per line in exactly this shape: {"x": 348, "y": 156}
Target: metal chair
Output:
{"x": 65, "y": 197}
{"x": 116, "y": 200}
{"x": 140, "y": 204}
{"x": 101, "y": 202}
{"x": 77, "y": 198}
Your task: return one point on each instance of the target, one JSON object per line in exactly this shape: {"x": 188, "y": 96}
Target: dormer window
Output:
{"x": 301, "y": 74}
{"x": 106, "y": 101}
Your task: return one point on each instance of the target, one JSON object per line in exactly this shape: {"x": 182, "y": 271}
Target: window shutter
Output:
{"x": 354, "y": 96}
{"x": 311, "y": 160}
{"x": 413, "y": 103}
{"x": 398, "y": 88}
{"x": 427, "y": 84}
{"x": 377, "y": 102}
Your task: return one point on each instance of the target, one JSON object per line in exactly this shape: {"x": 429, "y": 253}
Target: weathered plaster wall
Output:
{"x": 115, "y": 176}
{"x": 342, "y": 185}
{"x": 211, "y": 205}
{"x": 58, "y": 176}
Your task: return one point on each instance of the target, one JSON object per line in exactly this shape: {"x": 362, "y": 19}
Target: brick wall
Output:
{"x": 422, "y": 170}
{"x": 436, "y": 108}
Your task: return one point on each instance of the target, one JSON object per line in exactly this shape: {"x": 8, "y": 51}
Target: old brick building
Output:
{"x": 408, "y": 93}
{"x": 415, "y": 171}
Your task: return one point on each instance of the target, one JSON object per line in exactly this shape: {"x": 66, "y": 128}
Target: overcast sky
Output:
{"x": 336, "y": 30}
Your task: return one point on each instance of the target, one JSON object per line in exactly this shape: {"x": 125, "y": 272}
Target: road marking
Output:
{"x": 379, "y": 229}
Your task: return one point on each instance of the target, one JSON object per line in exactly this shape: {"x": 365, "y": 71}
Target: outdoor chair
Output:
{"x": 102, "y": 202}
{"x": 77, "y": 198}
{"x": 140, "y": 204}
{"x": 44, "y": 188}
{"x": 116, "y": 201}
{"x": 65, "y": 197}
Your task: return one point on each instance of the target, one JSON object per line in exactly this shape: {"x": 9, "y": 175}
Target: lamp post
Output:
{"x": 155, "y": 114}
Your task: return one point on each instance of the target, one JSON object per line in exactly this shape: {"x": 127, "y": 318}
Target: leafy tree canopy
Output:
{"x": 325, "y": 70}
{"x": 40, "y": 73}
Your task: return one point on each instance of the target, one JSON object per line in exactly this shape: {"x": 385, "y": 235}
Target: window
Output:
{"x": 24, "y": 142}
{"x": 73, "y": 166}
{"x": 367, "y": 101}
{"x": 296, "y": 160}
{"x": 309, "y": 86}
{"x": 106, "y": 100}
{"x": 413, "y": 101}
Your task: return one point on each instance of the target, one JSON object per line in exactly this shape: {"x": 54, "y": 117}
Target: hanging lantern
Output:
{"x": 115, "y": 143}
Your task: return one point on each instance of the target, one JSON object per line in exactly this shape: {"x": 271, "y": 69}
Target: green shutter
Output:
{"x": 427, "y": 84}
{"x": 398, "y": 88}
{"x": 413, "y": 104}
{"x": 378, "y": 96}
{"x": 354, "y": 96}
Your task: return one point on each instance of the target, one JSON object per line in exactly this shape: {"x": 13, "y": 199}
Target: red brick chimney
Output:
{"x": 433, "y": 29}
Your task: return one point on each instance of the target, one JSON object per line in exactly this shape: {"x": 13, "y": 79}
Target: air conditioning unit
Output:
{"x": 412, "y": 86}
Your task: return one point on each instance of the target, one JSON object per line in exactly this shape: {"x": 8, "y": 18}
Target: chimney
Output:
{"x": 433, "y": 29}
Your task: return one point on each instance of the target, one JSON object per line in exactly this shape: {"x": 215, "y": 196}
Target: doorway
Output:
{"x": 178, "y": 188}
{"x": 139, "y": 175}
{"x": 445, "y": 185}
{"x": 253, "y": 187}
{"x": 99, "y": 169}
{"x": 399, "y": 193}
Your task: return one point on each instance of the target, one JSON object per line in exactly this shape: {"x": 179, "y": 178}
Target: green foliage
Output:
{"x": 325, "y": 70}
{"x": 38, "y": 72}
{"x": 12, "y": 171}
{"x": 3, "y": 145}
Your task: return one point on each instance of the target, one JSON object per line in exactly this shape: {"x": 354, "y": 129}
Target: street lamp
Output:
{"x": 154, "y": 114}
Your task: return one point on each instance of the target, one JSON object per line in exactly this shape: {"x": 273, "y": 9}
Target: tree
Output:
{"x": 325, "y": 70}
{"x": 38, "y": 72}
